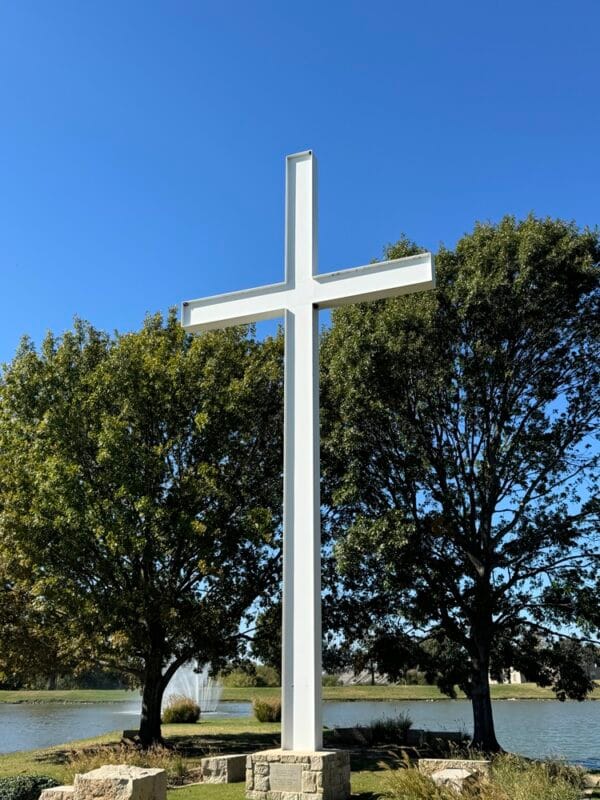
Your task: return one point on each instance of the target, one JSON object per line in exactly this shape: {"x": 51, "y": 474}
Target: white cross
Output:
{"x": 298, "y": 301}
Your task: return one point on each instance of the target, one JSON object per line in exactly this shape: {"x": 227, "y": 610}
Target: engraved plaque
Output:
{"x": 285, "y": 777}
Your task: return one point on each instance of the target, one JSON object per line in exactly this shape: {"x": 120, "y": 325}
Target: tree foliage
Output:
{"x": 459, "y": 457}
{"x": 141, "y": 492}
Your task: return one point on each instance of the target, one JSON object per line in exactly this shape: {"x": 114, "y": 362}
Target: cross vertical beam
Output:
{"x": 301, "y": 666}
{"x": 298, "y": 300}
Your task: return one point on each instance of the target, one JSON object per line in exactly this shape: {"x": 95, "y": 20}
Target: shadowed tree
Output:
{"x": 458, "y": 456}
{"x": 141, "y": 488}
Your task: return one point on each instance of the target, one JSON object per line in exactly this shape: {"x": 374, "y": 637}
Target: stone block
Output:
{"x": 309, "y": 781}
{"x": 58, "y": 793}
{"x": 430, "y": 765}
{"x": 455, "y": 778}
{"x": 225, "y": 769}
{"x": 121, "y": 782}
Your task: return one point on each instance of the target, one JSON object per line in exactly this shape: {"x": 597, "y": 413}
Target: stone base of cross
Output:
{"x": 298, "y": 300}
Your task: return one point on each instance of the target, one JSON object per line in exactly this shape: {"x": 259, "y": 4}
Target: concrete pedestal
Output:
{"x": 296, "y": 775}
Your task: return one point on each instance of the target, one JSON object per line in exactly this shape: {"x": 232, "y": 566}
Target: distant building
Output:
{"x": 510, "y": 675}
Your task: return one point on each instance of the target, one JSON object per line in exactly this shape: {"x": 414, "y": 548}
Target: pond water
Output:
{"x": 535, "y": 728}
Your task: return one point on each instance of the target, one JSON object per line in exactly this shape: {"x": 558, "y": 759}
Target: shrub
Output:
{"x": 390, "y": 730}
{"x": 331, "y": 680}
{"x": 267, "y": 709}
{"x": 180, "y": 709}
{"x": 267, "y": 676}
{"x": 239, "y": 679}
{"x": 24, "y": 787}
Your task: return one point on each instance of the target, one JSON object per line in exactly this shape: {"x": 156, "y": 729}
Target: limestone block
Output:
{"x": 58, "y": 793}
{"x": 430, "y": 765}
{"x": 451, "y": 777}
{"x": 121, "y": 782}
{"x": 225, "y": 769}
{"x": 309, "y": 781}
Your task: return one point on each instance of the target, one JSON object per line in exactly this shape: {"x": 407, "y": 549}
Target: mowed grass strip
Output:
{"x": 68, "y": 696}
{"x": 522, "y": 691}
{"x": 516, "y": 691}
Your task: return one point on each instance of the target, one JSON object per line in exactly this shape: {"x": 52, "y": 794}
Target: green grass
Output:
{"x": 225, "y": 734}
{"x": 523, "y": 691}
{"x": 67, "y": 696}
{"x": 214, "y": 791}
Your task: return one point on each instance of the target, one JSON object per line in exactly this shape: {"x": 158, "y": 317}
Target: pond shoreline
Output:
{"x": 394, "y": 693}
{"x": 535, "y": 729}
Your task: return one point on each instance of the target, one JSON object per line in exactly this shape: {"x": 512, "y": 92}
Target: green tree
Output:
{"x": 29, "y": 653}
{"x": 458, "y": 453}
{"x": 266, "y": 639}
{"x": 141, "y": 489}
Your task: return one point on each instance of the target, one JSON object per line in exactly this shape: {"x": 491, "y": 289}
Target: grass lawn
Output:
{"x": 524, "y": 691}
{"x": 224, "y": 734}
{"x": 67, "y": 696}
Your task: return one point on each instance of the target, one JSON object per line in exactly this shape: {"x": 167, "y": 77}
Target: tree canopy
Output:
{"x": 141, "y": 493}
{"x": 460, "y": 459}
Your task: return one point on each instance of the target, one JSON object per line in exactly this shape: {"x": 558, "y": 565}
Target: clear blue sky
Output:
{"x": 142, "y": 143}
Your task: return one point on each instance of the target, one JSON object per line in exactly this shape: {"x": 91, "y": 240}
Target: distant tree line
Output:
{"x": 141, "y": 485}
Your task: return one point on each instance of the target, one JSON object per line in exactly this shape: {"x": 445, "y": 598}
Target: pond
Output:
{"x": 532, "y": 727}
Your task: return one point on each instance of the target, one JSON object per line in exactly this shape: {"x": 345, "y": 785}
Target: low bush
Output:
{"x": 239, "y": 679}
{"x": 267, "y": 709}
{"x": 267, "y": 676}
{"x": 24, "y": 787}
{"x": 331, "y": 680}
{"x": 250, "y": 676}
{"x": 391, "y": 730}
{"x": 180, "y": 709}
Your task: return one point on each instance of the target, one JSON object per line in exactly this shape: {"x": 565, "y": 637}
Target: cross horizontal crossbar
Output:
{"x": 370, "y": 282}
{"x": 298, "y": 300}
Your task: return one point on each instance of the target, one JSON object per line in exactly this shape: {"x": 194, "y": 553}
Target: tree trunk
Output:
{"x": 152, "y": 694}
{"x": 484, "y": 735}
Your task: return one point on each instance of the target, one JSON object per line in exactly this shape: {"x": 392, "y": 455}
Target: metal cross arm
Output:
{"x": 298, "y": 299}
{"x": 371, "y": 282}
